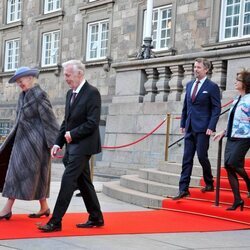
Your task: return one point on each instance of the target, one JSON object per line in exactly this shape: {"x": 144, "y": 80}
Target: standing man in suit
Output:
{"x": 80, "y": 132}
{"x": 200, "y": 114}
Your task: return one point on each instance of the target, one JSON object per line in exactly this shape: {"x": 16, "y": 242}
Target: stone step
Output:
{"x": 173, "y": 167}
{"x": 147, "y": 186}
{"x": 165, "y": 177}
{"x": 116, "y": 191}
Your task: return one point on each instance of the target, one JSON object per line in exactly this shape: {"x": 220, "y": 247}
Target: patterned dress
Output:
{"x": 27, "y": 148}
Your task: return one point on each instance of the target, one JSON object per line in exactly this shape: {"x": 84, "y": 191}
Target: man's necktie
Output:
{"x": 195, "y": 91}
{"x": 73, "y": 97}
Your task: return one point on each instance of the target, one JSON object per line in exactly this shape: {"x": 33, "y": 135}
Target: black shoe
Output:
{"x": 38, "y": 215}
{"x": 181, "y": 194}
{"x": 236, "y": 205}
{"x": 207, "y": 188}
{"x": 90, "y": 223}
{"x": 6, "y": 216}
{"x": 50, "y": 227}
{"x": 78, "y": 195}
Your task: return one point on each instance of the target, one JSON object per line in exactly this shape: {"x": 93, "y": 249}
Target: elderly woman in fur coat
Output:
{"x": 25, "y": 162}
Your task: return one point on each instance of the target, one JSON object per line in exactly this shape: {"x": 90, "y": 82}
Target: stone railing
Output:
{"x": 165, "y": 78}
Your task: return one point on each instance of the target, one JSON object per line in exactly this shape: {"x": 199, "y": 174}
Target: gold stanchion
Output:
{"x": 92, "y": 160}
{"x": 167, "y": 135}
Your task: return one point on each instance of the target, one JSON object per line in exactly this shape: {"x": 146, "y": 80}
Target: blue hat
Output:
{"x": 24, "y": 71}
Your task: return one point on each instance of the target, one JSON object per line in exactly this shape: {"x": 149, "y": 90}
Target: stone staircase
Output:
{"x": 150, "y": 186}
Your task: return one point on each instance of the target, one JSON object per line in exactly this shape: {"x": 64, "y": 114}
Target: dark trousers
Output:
{"x": 76, "y": 174}
{"x": 195, "y": 142}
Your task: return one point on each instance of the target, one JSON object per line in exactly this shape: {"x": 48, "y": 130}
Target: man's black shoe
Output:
{"x": 207, "y": 189}
{"x": 78, "y": 195}
{"x": 181, "y": 195}
{"x": 90, "y": 223}
{"x": 50, "y": 227}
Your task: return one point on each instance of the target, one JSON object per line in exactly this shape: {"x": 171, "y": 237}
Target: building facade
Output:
{"x": 107, "y": 35}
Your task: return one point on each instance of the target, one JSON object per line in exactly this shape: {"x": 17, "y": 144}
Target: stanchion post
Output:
{"x": 217, "y": 194}
{"x": 92, "y": 159}
{"x": 167, "y": 135}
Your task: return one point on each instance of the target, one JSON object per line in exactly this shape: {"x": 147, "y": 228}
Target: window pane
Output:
{"x": 247, "y": 7}
{"x": 236, "y": 9}
{"x": 161, "y": 25}
{"x": 97, "y": 40}
{"x": 227, "y": 33}
{"x": 229, "y": 11}
{"x": 51, "y": 5}
{"x": 246, "y": 30}
{"x": 13, "y": 11}
{"x": 228, "y": 22}
{"x": 235, "y": 32}
{"x": 247, "y": 19}
{"x": 12, "y": 48}
{"x": 50, "y": 48}
{"x": 236, "y": 21}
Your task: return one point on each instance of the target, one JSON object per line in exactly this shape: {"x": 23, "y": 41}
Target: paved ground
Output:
{"x": 230, "y": 240}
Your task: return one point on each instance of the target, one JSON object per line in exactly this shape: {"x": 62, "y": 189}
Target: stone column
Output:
{"x": 175, "y": 83}
{"x": 162, "y": 84}
{"x": 219, "y": 74}
{"x": 188, "y": 76}
{"x": 150, "y": 85}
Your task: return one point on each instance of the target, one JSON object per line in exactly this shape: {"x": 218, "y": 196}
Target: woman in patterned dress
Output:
{"x": 25, "y": 162}
{"x": 238, "y": 138}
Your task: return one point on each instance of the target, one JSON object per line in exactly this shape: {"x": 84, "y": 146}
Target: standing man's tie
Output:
{"x": 73, "y": 97}
{"x": 195, "y": 91}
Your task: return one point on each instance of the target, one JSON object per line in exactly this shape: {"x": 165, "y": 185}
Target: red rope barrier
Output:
{"x": 145, "y": 136}
{"x": 226, "y": 104}
{"x": 223, "y": 106}
{"x": 129, "y": 144}
{"x": 132, "y": 143}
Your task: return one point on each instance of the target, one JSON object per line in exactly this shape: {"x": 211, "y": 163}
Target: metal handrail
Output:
{"x": 222, "y": 113}
{"x": 217, "y": 191}
{"x": 217, "y": 194}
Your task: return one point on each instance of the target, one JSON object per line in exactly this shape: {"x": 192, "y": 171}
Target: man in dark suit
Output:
{"x": 80, "y": 132}
{"x": 200, "y": 114}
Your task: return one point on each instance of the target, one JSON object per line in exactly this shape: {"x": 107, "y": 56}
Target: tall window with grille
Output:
{"x": 161, "y": 27}
{"x": 51, "y": 6}
{"x": 12, "y": 54}
{"x": 235, "y": 19}
{"x": 14, "y": 10}
{"x": 50, "y": 48}
{"x": 97, "y": 40}
{"x": 5, "y": 127}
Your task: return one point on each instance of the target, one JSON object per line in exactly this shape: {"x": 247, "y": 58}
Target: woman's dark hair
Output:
{"x": 244, "y": 77}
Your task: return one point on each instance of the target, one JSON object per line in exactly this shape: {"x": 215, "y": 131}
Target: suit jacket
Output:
{"x": 204, "y": 112}
{"x": 82, "y": 120}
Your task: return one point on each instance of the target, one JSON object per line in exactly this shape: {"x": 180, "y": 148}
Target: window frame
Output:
{"x": 99, "y": 41}
{"x": 240, "y": 26}
{"x": 16, "y": 13}
{"x": 158, "y": 29}
{"x": 52, "y": 34}
{"x": 54, "y": 4}
{"x": 15, "y": 57}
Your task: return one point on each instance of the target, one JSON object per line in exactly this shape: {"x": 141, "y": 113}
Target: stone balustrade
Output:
{"x": 164, "y": 79}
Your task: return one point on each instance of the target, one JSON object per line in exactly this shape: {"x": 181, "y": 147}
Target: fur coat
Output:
{"x": 25, "y": 162}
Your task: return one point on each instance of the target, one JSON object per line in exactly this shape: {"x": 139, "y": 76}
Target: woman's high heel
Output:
{"x": 6, "y": 216}
{"x": 46, "y": 213}
{"x": 236, "y": 205}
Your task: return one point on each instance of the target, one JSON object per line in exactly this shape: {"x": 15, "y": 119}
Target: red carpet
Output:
{"x": 203, "y": 203}
{"x": 140, "y": 222}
